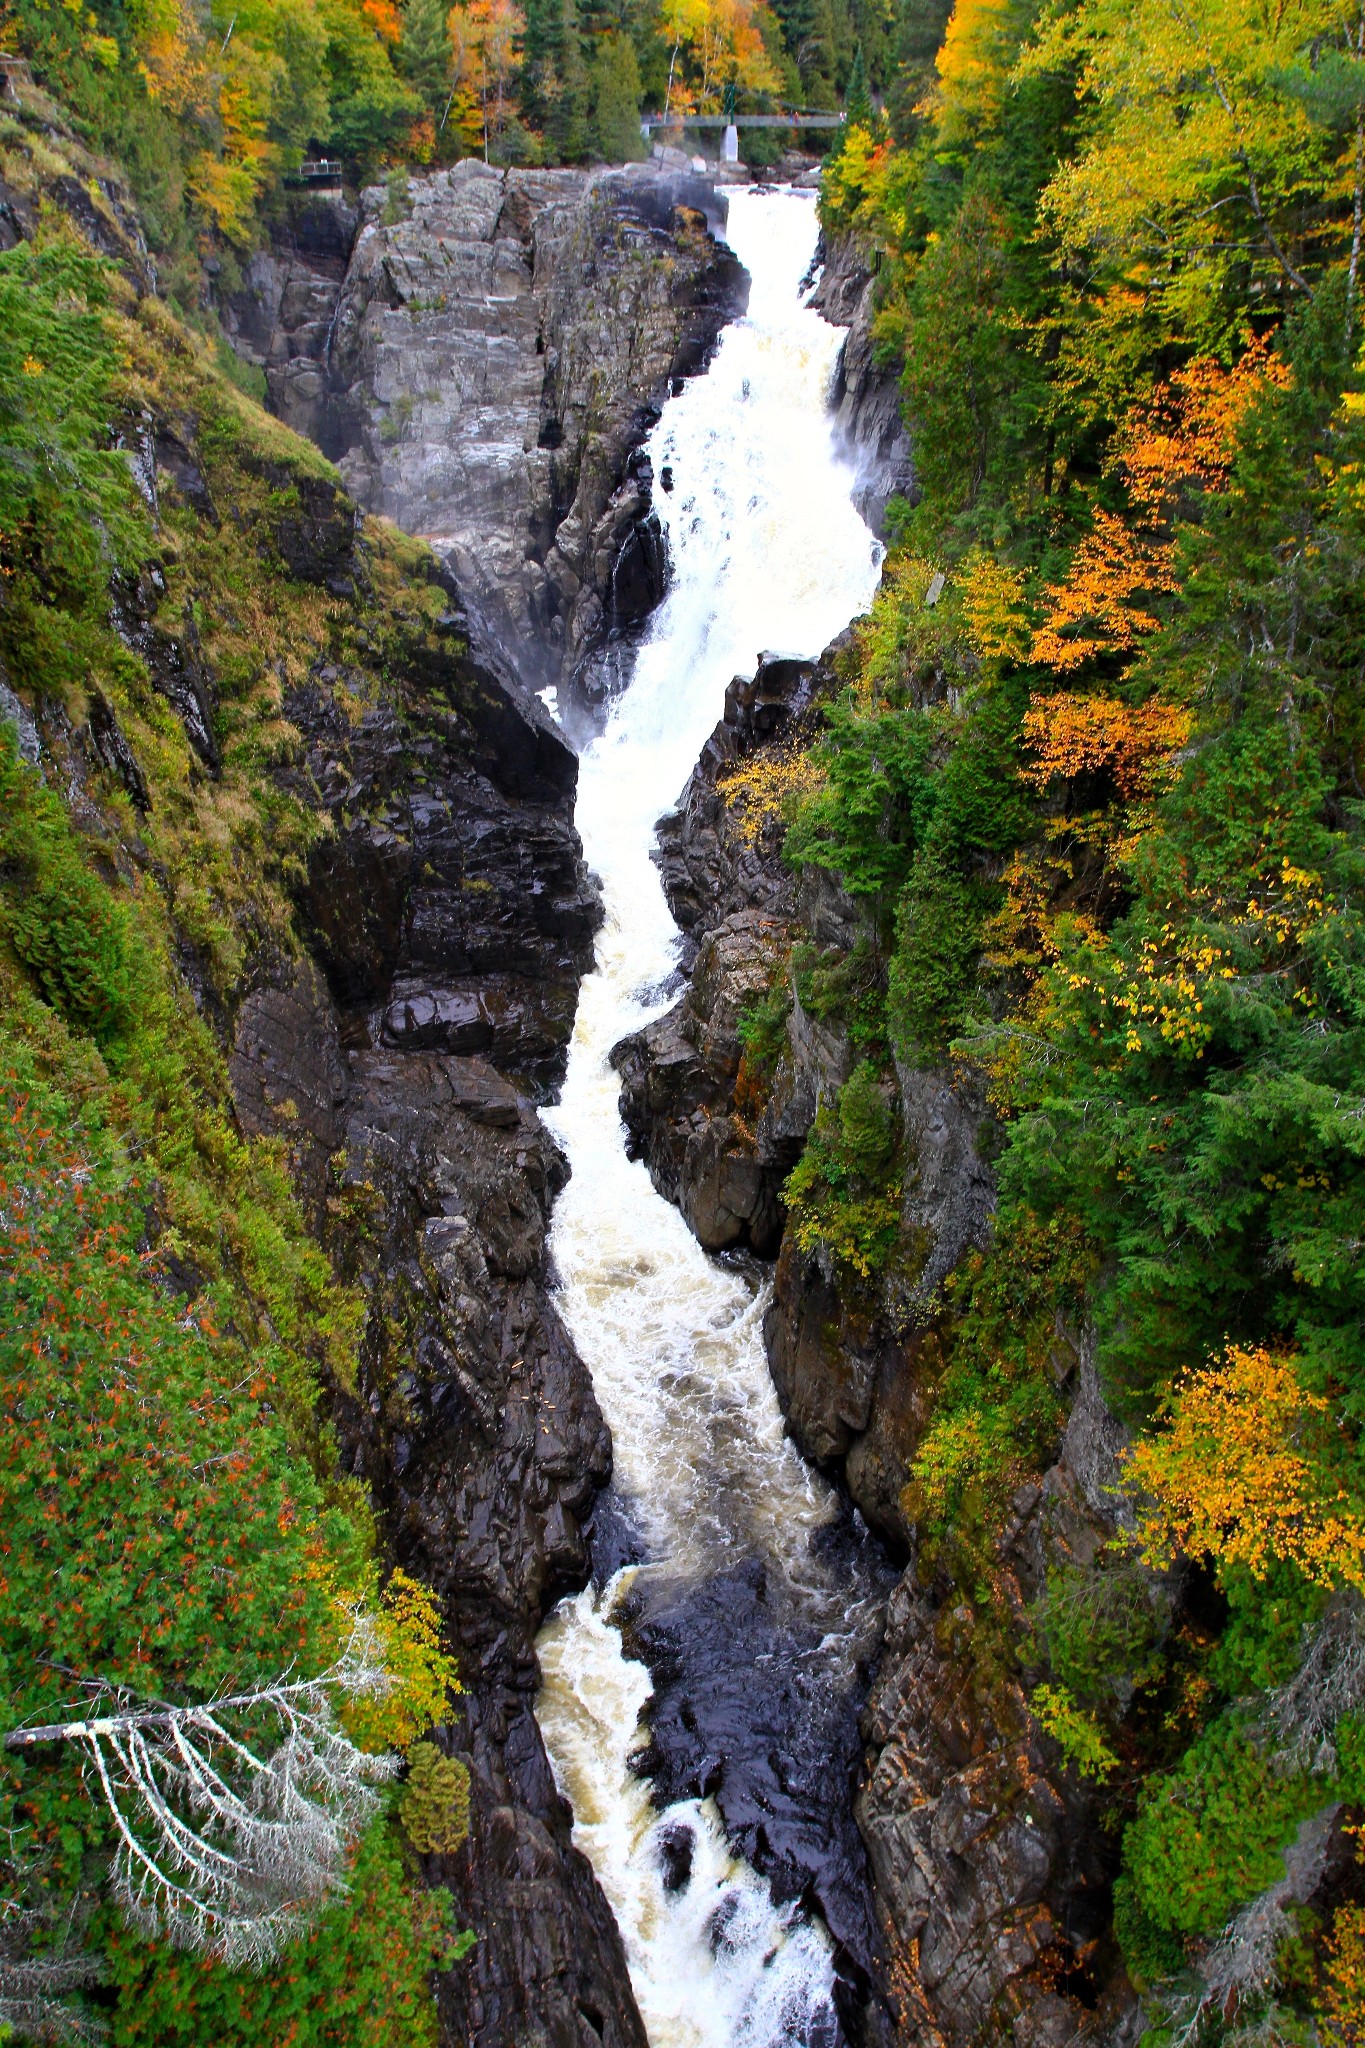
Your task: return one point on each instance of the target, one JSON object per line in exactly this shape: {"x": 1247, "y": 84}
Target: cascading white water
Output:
{"x": 767, "y": 552}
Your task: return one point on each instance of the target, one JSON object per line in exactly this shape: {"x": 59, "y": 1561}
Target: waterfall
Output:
{"x": 767, "y": 553}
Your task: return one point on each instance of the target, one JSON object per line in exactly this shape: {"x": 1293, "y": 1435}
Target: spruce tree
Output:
{"x": 858, "y": 99}
{"x": 616, "y": 103}
{"x": 568, "y": 119}
{"x": 424, "y": 54}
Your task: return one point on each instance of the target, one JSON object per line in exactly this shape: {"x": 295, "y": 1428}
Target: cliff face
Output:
{"x": 866, "y": 396}
{"x": 483, "y": 355}
{"x": 472, "y": 1422}
{"x": 990, "y": 1877}
{"x": 482, "y": 351}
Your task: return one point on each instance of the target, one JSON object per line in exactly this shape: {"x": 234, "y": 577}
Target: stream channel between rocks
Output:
{"x": 736, "y": 1571}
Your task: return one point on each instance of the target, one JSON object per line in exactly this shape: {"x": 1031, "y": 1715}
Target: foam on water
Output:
{"x": 767, "y": 553}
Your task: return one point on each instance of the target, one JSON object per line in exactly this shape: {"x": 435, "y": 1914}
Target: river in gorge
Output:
{"x": 722, "y": 1557}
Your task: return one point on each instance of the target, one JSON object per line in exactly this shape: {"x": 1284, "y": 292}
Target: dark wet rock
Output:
{"x": 753, "y": 1709}
{"x": 280, "y": 318}
{"x": 177, "y": 464}
{"x": 179, "y": 672}
{"x": 315, "y": 535}
{"x": 175, "y": 662}
{"x": 854, "y": 1372}
{"x": 612, "y": 1537}
{"x": 949, "y": 1201}
{"x": 678, "y": 1091}
{"x": 866, "y": 397}
{"x": 111, "y": 746}
{"x": 854, "y": 1397}
{"x": 483, "y": 361}
{"x": 288, "y": 1073}
{"x": 475, "y": 1426}
{"x": 449, "y": 904}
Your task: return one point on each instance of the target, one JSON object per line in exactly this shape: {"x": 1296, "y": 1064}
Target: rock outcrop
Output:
{"x": 992, "y": 1873}
{"x": 866, "y": 398}
{"x": 482, "y": 352}
{"x": 449, "y": 904}
{"x": 450, "y": 915}
{"x": 685, "y": 1097}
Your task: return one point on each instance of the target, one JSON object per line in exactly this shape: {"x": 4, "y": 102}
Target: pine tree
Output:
{"x": 858, "y": 99}
{"x": 425, "y": 56}
{"x": 616, "y": 103}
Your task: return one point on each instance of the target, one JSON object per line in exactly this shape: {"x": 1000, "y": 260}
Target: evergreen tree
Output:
{"x": 616, "y": 103}
{"x": 567, "y": 119}
{"x": 918, "y": 33}
{"x": 858, "y": 100}
{"x": 425, "y": 56}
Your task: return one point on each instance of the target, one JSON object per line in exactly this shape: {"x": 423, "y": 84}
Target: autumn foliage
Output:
{"x": 1069, "y": 736}
{"x": 1245, "y": 1474}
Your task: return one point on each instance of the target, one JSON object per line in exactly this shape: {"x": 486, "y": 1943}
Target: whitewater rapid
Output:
{"x": 767, "y": 553}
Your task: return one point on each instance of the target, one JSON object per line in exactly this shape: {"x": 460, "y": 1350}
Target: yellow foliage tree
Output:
{"x": 993, "y": 608}
{"x": 719, "y": 44}
{"x": 762, "y": 789}
{"x": 973, "y": 66}
{"x": 1343, "y": 2000}
{"x": 407, "y": 1626}
{"x": 1246, "y": 1475}
{"x": 485, "y": 37}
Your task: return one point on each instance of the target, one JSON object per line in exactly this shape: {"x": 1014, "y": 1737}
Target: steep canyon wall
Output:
{"x": 482, "y": 351}
{"x": 990, "y": 1879}
{"x": 391, "y": 987}
{"x": 483, "y": 366}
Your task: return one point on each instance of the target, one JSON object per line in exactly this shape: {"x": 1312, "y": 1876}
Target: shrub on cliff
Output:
{"x": 844, "y": 1195}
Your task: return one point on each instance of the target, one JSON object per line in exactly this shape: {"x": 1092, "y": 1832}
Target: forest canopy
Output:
{"x": 212, "y": 108}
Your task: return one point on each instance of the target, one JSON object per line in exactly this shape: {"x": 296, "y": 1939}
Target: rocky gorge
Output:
{"x": 482, "y": 354}
{"x": 480, "y": 1417}
{"x": 484, "y": 375}
{"x": 391, "y": 1016}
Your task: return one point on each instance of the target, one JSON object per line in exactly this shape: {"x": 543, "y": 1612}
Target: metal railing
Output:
{"x": 649, "y": 122}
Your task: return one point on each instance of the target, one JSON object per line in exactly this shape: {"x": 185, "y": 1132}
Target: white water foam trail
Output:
{"x": 767, "y": 553}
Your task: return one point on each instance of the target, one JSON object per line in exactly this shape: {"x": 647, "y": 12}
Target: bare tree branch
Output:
{"x": 227, "y": 1842}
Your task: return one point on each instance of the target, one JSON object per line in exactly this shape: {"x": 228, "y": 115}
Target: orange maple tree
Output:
{"x": 1070, "y": 734}
{"x": 1093, "y": 612}
{"x": 1187, "y": 435}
